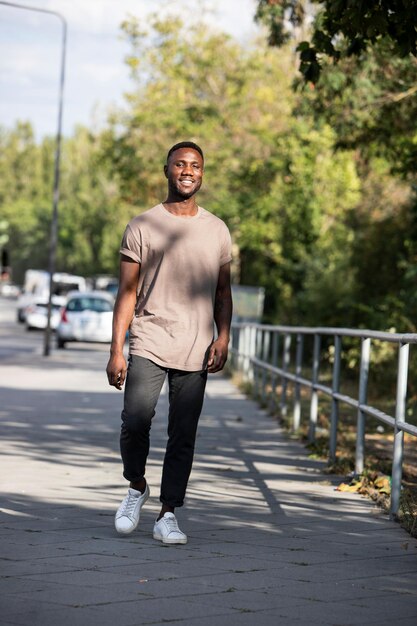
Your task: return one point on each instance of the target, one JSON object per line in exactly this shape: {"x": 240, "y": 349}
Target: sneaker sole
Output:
{"x": 129, "y": 532}
{"x": 170, "y": 541}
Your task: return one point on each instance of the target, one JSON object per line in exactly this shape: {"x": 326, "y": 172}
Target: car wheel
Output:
{"x": 60, "y": 343}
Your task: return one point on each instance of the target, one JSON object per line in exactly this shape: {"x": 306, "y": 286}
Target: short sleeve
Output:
{"x": 226, "y": 246}
{"x": 132, "y": 244}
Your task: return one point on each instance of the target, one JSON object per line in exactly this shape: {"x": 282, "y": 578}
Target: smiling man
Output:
{"x": 174, "y": 290}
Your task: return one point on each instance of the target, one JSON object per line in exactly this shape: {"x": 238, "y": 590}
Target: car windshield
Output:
{"x": 62, "y": 289}
{"x": 44, "y": 305}
{"x": 99, "y": 305}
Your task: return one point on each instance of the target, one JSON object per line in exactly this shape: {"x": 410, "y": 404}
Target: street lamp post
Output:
{"x": 54, "y": 222}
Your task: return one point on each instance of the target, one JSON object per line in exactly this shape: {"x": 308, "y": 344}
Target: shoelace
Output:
{"x": 172, "y": 524}
{"x": 129, "y": 505}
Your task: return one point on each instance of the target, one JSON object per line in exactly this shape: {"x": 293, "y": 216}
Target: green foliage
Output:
{"x": 369, "y": 100}
{"x": 370, "y": 103}
{"x": 315, "y": 184}
{"x": 275, "y": 13}
{"x": 272, "y": 176}
{"x": 91, "y": 210}
{"x": 341, "y": 28}
{"x": 303, "y": 215}
{"x": 25, "y": 174}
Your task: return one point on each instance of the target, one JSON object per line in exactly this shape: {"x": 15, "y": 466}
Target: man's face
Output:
{"x": 184, "y": 172}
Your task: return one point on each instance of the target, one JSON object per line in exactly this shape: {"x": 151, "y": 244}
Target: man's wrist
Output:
{"x": 116, "y": 350}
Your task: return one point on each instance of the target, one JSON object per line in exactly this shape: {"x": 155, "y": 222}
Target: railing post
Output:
{"x": 362, "y": 398}
{"x": 266, "y": 345}
{"x": 246, "y": 351}
{"x": 258, "y": 342}
{"x": 238, "y": 340}
{"x": 285, "y": 365}
{"x": 232, "y": 346}
{"x": 257, "y": 372}
{"x": 240, "y": 331}
{"x": 252, "y": 350}
{"x": 265, "y": 354}
{"x": 314, "y": 393}
{"x": 334, "y": 417}
{"x": 400, "y": 408}
{"x": 275, "y": 347}
{"x": 255, "y": 375}
{"x": 297, "y": 390}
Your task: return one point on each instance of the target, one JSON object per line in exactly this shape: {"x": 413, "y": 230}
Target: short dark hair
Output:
{"x": 185, "y": 144}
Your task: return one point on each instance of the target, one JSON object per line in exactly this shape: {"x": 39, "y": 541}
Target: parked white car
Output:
{"x": 36, "y": 288}
{"x": 87, "y": 316}
{"x": 36, "y": 315}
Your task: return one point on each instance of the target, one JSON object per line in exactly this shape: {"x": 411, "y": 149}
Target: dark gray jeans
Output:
{"x": 142, "y": 389}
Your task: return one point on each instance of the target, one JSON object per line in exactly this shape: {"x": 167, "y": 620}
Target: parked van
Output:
{"x": 36, "y": 289}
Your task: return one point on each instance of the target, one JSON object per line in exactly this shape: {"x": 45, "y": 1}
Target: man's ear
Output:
{"x": 166, "y": 171}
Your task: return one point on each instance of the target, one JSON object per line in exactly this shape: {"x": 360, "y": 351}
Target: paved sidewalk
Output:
{"x": 270, "y": 540}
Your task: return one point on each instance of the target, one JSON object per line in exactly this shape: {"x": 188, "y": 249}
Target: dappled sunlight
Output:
{"x": 236, "y": 479}
{"x": 255, "y": 500}
{"x": 264, "y": 524}
{"x": 44, "y": 379}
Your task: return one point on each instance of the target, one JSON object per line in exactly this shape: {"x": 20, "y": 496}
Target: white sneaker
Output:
{"x": 128, "y": 513}
{"x": 167, "y": 531}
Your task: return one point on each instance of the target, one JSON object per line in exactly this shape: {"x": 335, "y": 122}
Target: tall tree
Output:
{"x": 341, "y": 27}
{"x": 265, "y": 168}
{"x": 91, "y": 210}
{"x": 25, "y": 196}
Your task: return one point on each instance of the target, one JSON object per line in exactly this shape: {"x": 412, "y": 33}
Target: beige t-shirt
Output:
{"x": 180, "y": 259}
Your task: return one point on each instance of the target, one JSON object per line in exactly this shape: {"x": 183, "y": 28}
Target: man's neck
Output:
{"x": 182, "y": 208}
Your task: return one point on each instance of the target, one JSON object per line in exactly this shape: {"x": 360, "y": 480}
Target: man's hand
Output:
{"x": 122, "y": 316}
{"x": 222, "y": 317}
{"x": 217, "y": 355}
{"x": 116, "y": 370}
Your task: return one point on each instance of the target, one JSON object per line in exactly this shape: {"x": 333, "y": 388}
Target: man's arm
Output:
{"x": 222, "y": 317}
{"x": 122, "y": 316}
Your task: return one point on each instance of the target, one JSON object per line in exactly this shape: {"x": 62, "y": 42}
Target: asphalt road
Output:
{"x": 16, "y": 341}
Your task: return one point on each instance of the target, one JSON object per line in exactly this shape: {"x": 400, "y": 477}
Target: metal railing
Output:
{"x": 263, "y": 354}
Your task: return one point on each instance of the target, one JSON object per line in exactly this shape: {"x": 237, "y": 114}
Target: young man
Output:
{"x": 174, "y": 286}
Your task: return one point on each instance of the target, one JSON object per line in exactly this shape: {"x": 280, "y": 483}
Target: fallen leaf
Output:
{"x": 383, "y": 484}
{"x": 351, "y": 487}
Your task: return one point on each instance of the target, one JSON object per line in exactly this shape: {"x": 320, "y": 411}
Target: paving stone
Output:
{"x": 16, "y": 605}
{"x": 84, "y": 577}
{"x": 341, "y": 613}
{"x": 88, "y": 596}
{"x": 68, "y": 616}
{"x": 246, "y": 601}
{"x": 150, "y": 611}
{"x": 403, "y": 583}
{"x": 404, "y": 621}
